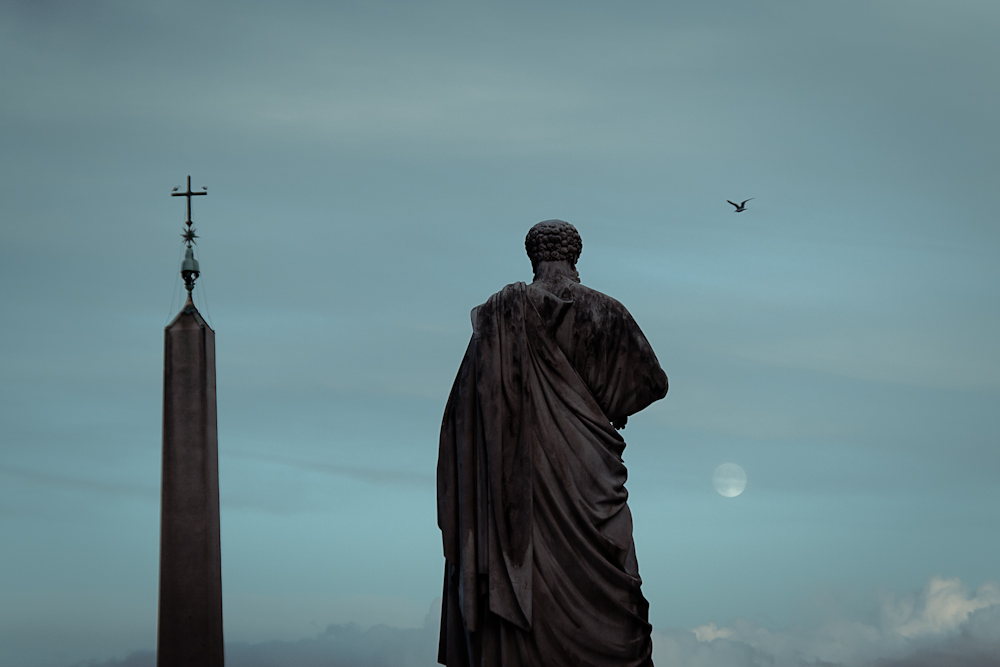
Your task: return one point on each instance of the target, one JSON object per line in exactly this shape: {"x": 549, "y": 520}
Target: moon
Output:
{"x": 729, "y": 480}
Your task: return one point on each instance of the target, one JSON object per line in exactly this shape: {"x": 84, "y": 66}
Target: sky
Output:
{"x": 372, "y": 169}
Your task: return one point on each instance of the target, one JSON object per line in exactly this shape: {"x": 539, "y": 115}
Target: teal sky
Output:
{"x": 372, "y": 170}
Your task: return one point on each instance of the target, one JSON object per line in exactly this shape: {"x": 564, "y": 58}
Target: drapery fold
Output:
{"x": 540, "y": 563}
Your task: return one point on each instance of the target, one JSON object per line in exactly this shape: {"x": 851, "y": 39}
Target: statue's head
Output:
{"x": 553, "y": 240}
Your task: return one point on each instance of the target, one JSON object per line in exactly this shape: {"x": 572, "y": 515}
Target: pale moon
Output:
{"x": 729, "y": 480}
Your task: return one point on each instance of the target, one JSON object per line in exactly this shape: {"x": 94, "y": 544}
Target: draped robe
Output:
{"x": 540, "y": 563}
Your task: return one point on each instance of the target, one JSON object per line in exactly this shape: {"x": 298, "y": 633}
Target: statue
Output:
{"x": 540, "y": 566}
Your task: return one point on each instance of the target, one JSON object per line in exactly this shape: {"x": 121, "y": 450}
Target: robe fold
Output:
{"x": 540, "y": 564}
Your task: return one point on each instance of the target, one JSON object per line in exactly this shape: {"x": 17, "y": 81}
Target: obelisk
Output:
{"x": 189, "y": 631}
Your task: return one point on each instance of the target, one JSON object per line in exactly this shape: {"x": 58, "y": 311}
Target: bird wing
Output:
{"x": 734, "y": 203}
{"x": 745, "y": 201}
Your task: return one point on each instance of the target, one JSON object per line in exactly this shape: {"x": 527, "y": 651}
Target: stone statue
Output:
{"x": 540, "y": 567}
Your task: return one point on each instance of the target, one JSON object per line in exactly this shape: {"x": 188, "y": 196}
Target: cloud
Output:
{"x": 709, "y": 631}
{"x": 941, "y": 625}
{"x": 338, "y": 646}
{"x": 943, "y": 607}
{"x": 976, "y": 645}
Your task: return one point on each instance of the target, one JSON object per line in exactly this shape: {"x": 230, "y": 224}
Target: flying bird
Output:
{"x": 176, "y": 189}
{"x": 740, "y": 207}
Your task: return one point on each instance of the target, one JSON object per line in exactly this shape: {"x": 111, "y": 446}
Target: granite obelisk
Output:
{"x": 189, "y": 631}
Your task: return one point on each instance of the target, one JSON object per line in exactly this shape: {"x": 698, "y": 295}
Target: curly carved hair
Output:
{"x": 553, "y": 240}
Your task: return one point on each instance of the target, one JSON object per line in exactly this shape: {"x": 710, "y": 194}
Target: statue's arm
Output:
{"x": 643, "y": 381}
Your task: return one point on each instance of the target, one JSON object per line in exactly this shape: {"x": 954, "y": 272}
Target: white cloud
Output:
{"x": 709, "y": 631}
{"x": 941, "y": 620}
{"x": 944, "y": 605}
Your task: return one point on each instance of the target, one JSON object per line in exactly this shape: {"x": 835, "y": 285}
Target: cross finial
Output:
{"x": 189, "y": 236}
{"x": 189, "y": 268}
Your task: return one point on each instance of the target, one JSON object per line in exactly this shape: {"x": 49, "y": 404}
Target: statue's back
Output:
{"x": 541, "y": 566}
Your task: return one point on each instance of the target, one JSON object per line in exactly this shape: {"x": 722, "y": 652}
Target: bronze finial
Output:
{"x": 189, "y": 268}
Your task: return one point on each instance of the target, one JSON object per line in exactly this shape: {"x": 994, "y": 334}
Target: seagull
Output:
{"x": 740, "y": 207}
{"x": 176, "y": 189}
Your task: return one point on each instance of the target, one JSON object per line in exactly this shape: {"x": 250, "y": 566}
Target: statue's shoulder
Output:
{"x": 599, "y": 303}
{"x": 485, "y": 309}
{"x": 508, "y": 291}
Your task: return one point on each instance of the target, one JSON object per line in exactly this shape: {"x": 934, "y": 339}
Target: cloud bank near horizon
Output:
{"x": 943, "y": 624}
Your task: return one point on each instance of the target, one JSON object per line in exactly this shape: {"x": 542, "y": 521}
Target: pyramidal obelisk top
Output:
{"x": 189, "y": 627}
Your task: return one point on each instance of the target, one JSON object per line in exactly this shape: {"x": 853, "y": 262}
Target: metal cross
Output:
{"x": 188, "y": 194}
{"x": 189, "y": 236}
